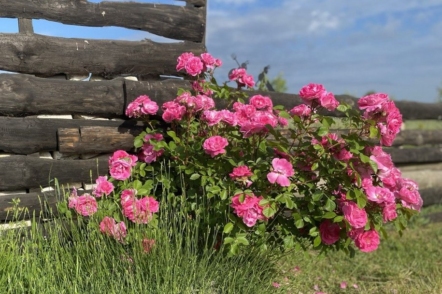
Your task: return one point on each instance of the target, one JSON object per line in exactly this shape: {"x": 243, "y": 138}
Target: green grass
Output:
{"x": 408, "y": 264}
{"x": 83, "y": 261}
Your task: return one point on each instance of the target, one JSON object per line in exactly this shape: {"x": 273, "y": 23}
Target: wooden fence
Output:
{"x": 43, "y": 130}
{"x": 38, "y": 147}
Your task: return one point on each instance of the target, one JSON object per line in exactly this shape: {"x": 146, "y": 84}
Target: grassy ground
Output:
{"x": 408, "y": 264}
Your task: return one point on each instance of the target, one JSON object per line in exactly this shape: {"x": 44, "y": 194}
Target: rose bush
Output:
{"x": 262, "y": 173}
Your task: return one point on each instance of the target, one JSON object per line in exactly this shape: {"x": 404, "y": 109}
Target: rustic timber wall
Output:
{"x": 55, "y": 125}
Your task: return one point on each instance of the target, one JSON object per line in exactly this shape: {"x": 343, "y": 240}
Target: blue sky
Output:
{"x": 352, "y": 47}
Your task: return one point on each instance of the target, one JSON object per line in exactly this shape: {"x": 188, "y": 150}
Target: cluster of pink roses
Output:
{"x": 194, "y": 65}
{"x": 240, "y": 76}
{"x": 315, "y": 94}
{"x": 380, "y": 108}
{"x": 249, "y": 209}
{"x": 141, "y": 106}
{"x": 84, "y": 205}
{"x": 137, "y": 210}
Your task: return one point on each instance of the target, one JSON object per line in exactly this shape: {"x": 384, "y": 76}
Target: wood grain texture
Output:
{"x": 415, "y": 155}
{"x": 17, "y": 133}
{"x": 95, "y": 139}
{"x": 49, "y": 56}
{"x": 175, "y": 22}
{"x": 23, "y": 172}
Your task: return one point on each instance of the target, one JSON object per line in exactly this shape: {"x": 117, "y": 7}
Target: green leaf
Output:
{"x": 342, "y": 107}
{"x": 172, "y": 134}
{"x": 242, "y": 240}
{"x": 338, "y": 219}
{"x": 284, "y": 114}
{"x": 228, "y": 228}
{"x": 322, "y": 131}
{"x": 364, "y": 158}
{"x": 299, "y": 223}
{"x": 317, "y": 196}
{"x": 317, "y": 241}
{"x": 330, "y": 205}
{"x": 269, "y": 211}
{"x": 228, "y": 240}
{"x": 195, "y": 177}
{"x": 315, "y": 166}
{"x": 138, "y": 142}
{"x": 172, "y": 145}
{"x": 374, "y": 132}
{"x": 329, "y": 215}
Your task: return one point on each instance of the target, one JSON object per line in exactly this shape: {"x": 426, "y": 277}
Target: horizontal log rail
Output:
{"x": 170, "y": 21}
{"x": 20, "y": 172}
{"x": 49, "y": 56}
{"x": 30, "y": 135}
{"x": 22, "y": 95}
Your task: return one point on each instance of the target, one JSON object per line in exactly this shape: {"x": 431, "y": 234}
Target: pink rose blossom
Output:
{"x": 389, "y": 212}
{"x": 103, "y": 187}
{"x": 120, "y": 169}
{"x": 138, "y": 210}
{"x": 276, "y": 285}
{"x": 228, "y": 117}
{"x": 85, "y": 205}
{"x": 367, "y": 241}
{"x": 249, "y": 210}
{"x": 409, "y": 194}
{"x": 246, "y": 80}
{"x": 208, "y": 60}
{"x": 215, "y": 145}
{"x": 328, "y": 101}
{"x": 123, "y": 155}
{"x": 373, "y": 102}
{"x": 218, "y": 62}
{"x": 301, "y": 110}
{"x": 194, "y": 66}
{"x": 173, "y": 111}
{"x": 261, "y": 102}
{"x": 237, "y": 73}
{"x": 110, "y": 227}
{"x": 282, "y": 170}
{"x": 203, "y": 102}
{"x": 343, "y": 285}
{"x": 148, "y": 153}
{"x": 141, "y": 106}
{"x": 282, "y": 121}
{"x": 356, "y": 217}
{"x": 241, "y": 171}
{"x": 329, "y": 232}
{"x": 182, "y": 60}
{"x": 379, "y": 195}
{"x": 211, "y": 117}
{"x": 311, "y": 92}
{"x": 383, "y": 161}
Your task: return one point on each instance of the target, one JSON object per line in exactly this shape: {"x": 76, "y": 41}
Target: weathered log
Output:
{"x": 24, "y": 172}
{"x": 170, "y": 21}
{"x": 418, "y": 137}
{"x": 97, "y": 139}
{"x": 48, "y": 56}
{"x": 431, "y": 196}
{"x": 25, "y": 26}
{"x": 415, "y": 155}
{"x": 30, "y": 135}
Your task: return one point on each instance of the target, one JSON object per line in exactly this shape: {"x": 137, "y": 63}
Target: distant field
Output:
{"x": 423, "y": 125}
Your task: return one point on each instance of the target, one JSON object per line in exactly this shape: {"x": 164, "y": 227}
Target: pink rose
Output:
{"x": 173, "y": 111}
{"x": 261, "y": 102}
{"x": 311, "y": 92}
{"x": 246, "y": 80}
{"x": 138, "y": 210}
{"x": 409, "y": 194}
{"x": 373, "y": 102}
{"x": 228, "y": 117}
{"x": 301, "y": 110}
{"x": 328, "y": 101}
{"x": 194, "y": 66}
{"x": 282, "y": 170}
{"x": 389, "y": 212}
{"x": 211, "y": 117}
{"x": 379, "y": 195}
{"x": 203, "y": 102}
{"x": 120, "y": 169}
{"x": 208, "y": 60}
{"x": 249, "y": 210}
{"x": 85, "y": 205}
{"x": 215, "y": 145}
{"x": 182, "y": 60}
{"x": 103, "y": 187}
{"x": 148, "y": 153}
{"x": 237, "y": 73}
{"x": 123, "y": 155}
{"x": 356, "y": 217}
{"x": 141, "y": 106}
{"x": 383, "y": 161}
{"x": 282, "y": 121}
{"x": 329, "y": 232}
{"x": 241, "y": 171}
{"x": 110, "y": 227}
{"x": 367, "y": 241}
